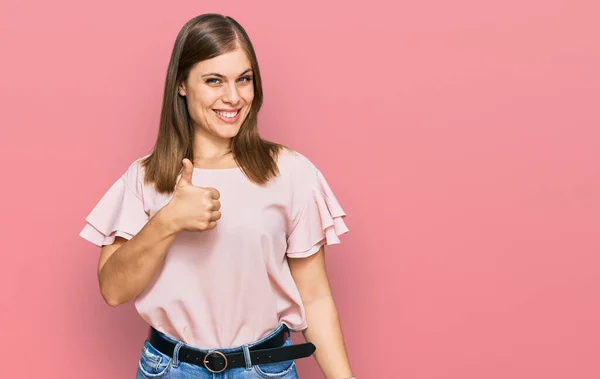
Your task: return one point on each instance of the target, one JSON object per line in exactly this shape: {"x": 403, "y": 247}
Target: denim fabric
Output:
{"x": 156, "y": 365}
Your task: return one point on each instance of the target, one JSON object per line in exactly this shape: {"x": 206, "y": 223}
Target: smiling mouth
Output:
{"x": 227, "y": 114}
{"x": 230, "y": 116}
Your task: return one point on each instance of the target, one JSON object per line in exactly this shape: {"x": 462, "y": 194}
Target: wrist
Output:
{"x": 165, "y": 218}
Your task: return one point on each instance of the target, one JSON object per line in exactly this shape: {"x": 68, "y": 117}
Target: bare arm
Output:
{"x": 324, "y": 328}
{"x": 126, "y": 267}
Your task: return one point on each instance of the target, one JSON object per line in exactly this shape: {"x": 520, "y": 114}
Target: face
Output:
{"x": 219, "y": 93}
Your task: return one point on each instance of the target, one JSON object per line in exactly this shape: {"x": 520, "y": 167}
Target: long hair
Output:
{"x": 205, "y": 37}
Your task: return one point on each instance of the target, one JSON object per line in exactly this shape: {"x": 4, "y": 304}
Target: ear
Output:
{"x": 182, "y": 90}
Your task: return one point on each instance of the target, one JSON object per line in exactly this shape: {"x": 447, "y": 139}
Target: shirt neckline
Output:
{"x": 216, "y": 169}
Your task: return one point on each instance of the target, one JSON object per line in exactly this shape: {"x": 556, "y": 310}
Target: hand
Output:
{"x": 193, "y": 208}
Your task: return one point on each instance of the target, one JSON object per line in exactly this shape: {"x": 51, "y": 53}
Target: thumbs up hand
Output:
{"x": 193, "y": 208}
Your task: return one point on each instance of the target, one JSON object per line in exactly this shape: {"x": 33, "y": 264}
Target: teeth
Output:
{"x": 227, "y": 114}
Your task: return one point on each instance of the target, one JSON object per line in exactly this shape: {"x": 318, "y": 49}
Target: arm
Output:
{"x": 324, "y": 328}
{"x": 126, "y": 267}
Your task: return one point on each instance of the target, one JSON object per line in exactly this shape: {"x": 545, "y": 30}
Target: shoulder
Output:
{"x": 299, "y": 172}
{"x": 134, "y": 173}
{"x": 296, "y": 164}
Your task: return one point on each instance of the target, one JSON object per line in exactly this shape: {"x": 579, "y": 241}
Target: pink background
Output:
{"x": 461, "y": 137}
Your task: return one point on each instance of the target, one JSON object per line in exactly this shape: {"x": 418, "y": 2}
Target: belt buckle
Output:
{"x": 206, "y": 361}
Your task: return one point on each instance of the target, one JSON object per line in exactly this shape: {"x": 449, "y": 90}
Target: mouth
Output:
{"x": 228, "y": 115}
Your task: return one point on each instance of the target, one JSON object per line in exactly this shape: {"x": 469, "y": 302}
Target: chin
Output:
{"x": 228, "y": 135}
{"x": 229, "y": 132}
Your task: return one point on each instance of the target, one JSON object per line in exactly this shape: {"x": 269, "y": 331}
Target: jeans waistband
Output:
{"x": 226, "y": 350}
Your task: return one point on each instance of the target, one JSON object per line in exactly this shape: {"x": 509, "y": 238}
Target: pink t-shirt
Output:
{"x": 230, "y": 285}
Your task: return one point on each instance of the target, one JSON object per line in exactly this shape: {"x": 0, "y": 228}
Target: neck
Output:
{"x": 208, "y": 147}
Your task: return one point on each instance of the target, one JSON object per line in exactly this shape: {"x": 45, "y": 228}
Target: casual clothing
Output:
{"x": 230, "y": 285}
{"x": 155, "y": 365}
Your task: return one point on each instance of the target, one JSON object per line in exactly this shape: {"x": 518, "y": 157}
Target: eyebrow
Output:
{"x": 222, "y": 76}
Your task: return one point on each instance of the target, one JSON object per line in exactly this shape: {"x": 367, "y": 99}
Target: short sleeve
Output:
{"x": 120, "y": 212}
{"x": 319, "y": 219}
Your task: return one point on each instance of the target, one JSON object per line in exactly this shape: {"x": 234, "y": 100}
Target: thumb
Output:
{"x": 186, "y": 174}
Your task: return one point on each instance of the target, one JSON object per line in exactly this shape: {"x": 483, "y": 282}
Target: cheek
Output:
{"x": 203, "y": 101}
{"x": 247, "y": 94}
{"x": 200, "y": 106}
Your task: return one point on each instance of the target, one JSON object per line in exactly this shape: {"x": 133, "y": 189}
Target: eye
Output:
{"x": 212, "y": 81}
{"x": 245, "y": 79}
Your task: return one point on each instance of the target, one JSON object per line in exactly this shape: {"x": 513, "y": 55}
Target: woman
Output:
{"x": 218, "y": 235}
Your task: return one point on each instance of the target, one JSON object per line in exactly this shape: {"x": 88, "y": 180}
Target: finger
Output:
{"x": 216, "y": 215}
{"x": 186, "y": 174}
{"x": 211, "y": 225}
{"x": 216, "y": 205}
{"x": 214, "y": 193}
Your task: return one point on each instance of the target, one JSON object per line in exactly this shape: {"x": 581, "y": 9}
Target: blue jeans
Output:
{"x": 155, "y": 365}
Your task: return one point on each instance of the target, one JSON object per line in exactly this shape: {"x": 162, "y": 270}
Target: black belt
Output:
{"x": 268, "y": 351}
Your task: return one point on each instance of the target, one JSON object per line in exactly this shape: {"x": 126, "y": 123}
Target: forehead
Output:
{"x": 231, "y": 63}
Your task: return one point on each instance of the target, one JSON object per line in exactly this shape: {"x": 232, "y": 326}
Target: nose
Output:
{"x": 231, "y": 95}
